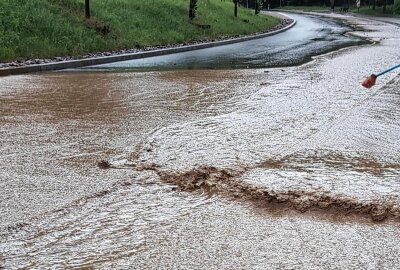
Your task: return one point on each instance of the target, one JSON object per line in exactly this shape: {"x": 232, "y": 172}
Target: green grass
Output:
{"x": 49, "y": 28}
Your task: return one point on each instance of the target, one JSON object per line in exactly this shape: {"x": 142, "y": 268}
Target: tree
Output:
{"x": 236, "y": 7}
{"x": 257, "y": 7}
{"x": 87, "y": 9}
{"x": 192, "y": 9}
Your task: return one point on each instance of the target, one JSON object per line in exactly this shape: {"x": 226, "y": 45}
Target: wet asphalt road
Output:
{"x": 311, "y": 36}
{"x": 326, "y": 133}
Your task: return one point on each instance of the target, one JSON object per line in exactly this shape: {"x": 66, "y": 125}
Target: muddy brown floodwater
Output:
{"x": 279, "y": 168}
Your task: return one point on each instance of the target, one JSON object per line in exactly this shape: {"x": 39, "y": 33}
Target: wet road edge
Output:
{"x": 139, "y": 55}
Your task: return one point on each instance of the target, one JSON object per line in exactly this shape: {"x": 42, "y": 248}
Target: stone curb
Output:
{"x": 130, "y": 56}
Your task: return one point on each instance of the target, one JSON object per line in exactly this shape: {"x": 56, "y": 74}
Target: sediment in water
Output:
{"x": 226, "y": 182}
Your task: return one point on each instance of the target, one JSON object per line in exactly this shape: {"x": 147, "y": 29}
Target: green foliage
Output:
{"x": 48, "y": 28}
{"x": 258, "y": 6}
{"x": 390, "y": 11}
{"x": 35, "y": 28}
{"x": 396, "y": 7}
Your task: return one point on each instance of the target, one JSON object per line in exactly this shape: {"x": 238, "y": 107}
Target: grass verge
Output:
{"x": 48, "y": 28}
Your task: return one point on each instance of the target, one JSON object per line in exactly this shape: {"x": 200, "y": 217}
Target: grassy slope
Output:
{"x": 48, "y": 28}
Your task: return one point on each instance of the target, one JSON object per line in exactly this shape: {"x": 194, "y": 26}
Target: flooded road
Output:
{"x": 286, "y": 168}
{"x": 311, "y": 36}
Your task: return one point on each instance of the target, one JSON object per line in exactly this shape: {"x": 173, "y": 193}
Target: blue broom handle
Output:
{"x": 390, "y": 69}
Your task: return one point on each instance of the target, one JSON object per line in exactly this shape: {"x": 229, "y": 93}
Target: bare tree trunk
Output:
{"x": 192, "y": 9}
{"x": 236, "y": 8}
{"x": 87, "y": 9}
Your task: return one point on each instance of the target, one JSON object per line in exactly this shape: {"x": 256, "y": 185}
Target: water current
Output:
{"x": 280, "y": 167}
{"x": 310, "y": 37}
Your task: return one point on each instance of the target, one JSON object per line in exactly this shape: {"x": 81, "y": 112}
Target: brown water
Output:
{"x": 240, "y": 141}
{"x": 55, "y": 127}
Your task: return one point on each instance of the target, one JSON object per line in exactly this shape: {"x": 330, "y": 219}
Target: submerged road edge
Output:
{"x": 138, "y": 55}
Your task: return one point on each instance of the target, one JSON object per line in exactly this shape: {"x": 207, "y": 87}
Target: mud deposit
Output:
{"x": 226, "y": 182}
{"x": 278, "y": 168}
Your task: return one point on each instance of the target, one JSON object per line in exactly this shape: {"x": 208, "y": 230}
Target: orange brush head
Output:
{"x": 370, "y": 81}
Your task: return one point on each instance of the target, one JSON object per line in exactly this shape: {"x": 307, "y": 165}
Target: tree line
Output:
{"x": 269, "y": 4}
{"x": 257, "y": 5}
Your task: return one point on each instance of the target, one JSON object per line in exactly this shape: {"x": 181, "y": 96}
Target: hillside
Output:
{"x": 50, "y": 28}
